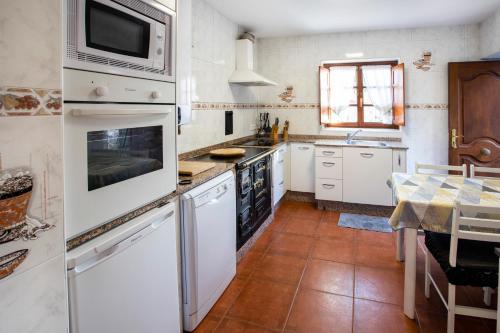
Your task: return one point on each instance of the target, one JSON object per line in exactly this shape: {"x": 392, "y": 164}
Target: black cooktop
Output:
{"x": 250, "y": 153}
{"x": 262, "y": 142}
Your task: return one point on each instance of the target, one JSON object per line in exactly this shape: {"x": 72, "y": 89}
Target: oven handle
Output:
{"x": 247, "y": 163}
{"x": 123, "y": 112}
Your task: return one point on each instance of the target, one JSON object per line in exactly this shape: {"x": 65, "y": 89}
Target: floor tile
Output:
{"x": 333, "y": 231}
{"x": 280, "y": 268}
{"x": 247, "y": 264}
{"x": 328, "y": 276}
{"x": 330, "y": 217}
{"x": 226, "y": 300}
{"x": 379, "y": 284}
{"x": 334, "y": 249}
{"x": 384, "y": 239}
{"x": 264, "y": 303}
{"x": 315, "y": 311}
{"x": 300, "y": 226}
{"x": 264, "y": 240}
{"x": 236, "y": 326}
{"x": 376, "y": 256}
{"x": 375, "y": 317}
{"x": 308, "y": 211}
{"x": 293, "y": 245}
{"x": 208, "y": 324}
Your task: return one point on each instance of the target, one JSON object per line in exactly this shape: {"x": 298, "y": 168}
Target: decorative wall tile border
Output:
{"x": 16, "y": 101}
{"x": 223, "y": 106}
{"x": 311, "y": 106}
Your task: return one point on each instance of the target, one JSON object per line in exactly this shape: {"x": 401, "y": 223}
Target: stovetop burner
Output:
{"x": 250, "y": 153}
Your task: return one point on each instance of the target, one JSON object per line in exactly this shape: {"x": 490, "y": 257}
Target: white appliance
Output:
{"x": 126, "y": 281}
{"x": 208, "y": 245}
{"x": 244, "y": 73}
{"x": 125, "y": 37}
{"x": 118, "y": 156}
{"x": 278, "y": 174}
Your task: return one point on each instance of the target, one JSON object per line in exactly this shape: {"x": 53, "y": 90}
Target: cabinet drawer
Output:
{"x": 327, "y": 167}
{"x": 328, "y": 151}
{"x": 328, "y": 189}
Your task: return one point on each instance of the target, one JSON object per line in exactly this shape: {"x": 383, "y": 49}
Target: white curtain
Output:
{"x": 342, "y": 93}
{"x": 377, "y": 81}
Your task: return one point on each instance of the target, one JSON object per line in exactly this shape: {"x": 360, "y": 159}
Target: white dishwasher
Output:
{"x": 208, "y": 224}
{"x": 126, "y": 281}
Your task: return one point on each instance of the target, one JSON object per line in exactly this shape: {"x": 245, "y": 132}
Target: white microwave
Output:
{"x": 124, "y": 37}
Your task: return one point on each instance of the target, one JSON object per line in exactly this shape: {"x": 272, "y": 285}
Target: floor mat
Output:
{"x": 357, "y": 221}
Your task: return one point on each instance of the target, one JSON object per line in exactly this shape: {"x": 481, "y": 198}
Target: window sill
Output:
{"x": 365, "y": 132}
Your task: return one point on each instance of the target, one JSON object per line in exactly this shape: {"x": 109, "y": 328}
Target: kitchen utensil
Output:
{"x": 192, "y": 168}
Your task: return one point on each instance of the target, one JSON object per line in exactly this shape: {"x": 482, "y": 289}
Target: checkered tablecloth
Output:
{"x": 428, "y": 200}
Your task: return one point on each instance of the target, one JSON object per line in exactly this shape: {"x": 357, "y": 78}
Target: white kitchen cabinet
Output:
{"x": 278, "y": 174}
{"x": 302, "y": 167}
{"x": 328, "y": 189}
{"x": 365, "y": 175}
{"x": 288, "y": 155}
{"x": 327, "y": 167}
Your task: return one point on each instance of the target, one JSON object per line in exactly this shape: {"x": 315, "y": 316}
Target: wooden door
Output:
{"x": 474, "y": 113}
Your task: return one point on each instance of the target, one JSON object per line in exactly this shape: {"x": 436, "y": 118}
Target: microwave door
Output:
{"x": 110, "y": 30}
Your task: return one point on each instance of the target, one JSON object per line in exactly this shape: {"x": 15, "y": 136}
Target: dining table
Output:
{"x": 426, "y": 201}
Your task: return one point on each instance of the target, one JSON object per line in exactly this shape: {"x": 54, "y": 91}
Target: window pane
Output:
{"x": 343, "y": 82}
{"x": 377, "y": 91}
{"x": 347, "y": 115}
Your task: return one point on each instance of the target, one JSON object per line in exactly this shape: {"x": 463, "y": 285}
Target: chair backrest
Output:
{"x": 474, "y": 169}
{"x": 419, "y": 167}
{"x": 485, "y": 218}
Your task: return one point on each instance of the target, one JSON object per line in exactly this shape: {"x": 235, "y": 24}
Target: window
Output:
{"x": 362, "y": 94}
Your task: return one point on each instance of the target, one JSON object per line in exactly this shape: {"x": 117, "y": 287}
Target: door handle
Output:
{"x": 304, "y": 148}
{"x": 328, "y": 164}
{"x": 366, "y": 155}
{"x": 328, "y": 186}
{"x": 328, "y": 153}
{"x": 485, "y": 151}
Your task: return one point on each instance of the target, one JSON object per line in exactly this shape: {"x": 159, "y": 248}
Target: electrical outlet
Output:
{"x": 253, "y": 127}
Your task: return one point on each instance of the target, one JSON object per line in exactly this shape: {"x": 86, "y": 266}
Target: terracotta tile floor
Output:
{"x": 306, "y": 274}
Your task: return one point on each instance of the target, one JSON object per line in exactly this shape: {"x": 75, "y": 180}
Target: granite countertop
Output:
{"x": 203, "y": 177}
{"x": 362, "y": 144}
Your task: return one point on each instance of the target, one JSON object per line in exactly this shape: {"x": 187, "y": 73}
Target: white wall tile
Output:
{"x": 490, "y": 34}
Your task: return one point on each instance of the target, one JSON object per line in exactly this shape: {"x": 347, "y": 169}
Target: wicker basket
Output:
{"x": 13, "y": 210}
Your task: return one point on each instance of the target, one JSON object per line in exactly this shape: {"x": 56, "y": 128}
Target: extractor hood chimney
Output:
{"x": 244, "y": 73}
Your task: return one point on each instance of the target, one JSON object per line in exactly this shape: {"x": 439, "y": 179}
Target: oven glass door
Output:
{"x": 117, "y": 158}
{"x": 113, "y": 30}
{"x": 115, "y": 155}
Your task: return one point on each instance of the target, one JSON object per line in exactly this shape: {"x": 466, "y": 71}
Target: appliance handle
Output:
{"x": 124, "y": 244}
{"x": 261, "y": 156}
{"x": 115, "y": 112}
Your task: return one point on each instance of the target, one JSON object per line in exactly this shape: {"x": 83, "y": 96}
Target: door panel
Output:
{"x": 474, "y": 111}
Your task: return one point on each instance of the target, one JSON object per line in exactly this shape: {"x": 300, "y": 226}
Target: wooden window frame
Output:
{"x": 360, "y": 87}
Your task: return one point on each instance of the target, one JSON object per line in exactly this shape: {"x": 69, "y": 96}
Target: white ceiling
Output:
{"x": 271, "y": 18}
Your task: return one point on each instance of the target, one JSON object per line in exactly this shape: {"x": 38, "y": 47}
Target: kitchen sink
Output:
{"x": 367, "y": 143}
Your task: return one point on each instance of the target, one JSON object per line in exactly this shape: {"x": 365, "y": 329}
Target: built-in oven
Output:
{"x": 133, "y": 38}
{"x": 117, "y": 156}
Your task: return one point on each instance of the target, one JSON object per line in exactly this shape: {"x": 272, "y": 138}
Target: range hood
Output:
{"x": 244, "y": 73}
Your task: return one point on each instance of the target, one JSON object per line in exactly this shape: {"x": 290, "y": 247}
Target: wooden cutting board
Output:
{"x": 228, "y": 152}
{"x": 192, "y": 168}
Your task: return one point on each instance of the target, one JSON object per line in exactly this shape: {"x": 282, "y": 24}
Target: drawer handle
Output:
{"x": 328, "y": 186}
{"x": 281, "y": 161}
{"x": 281, "y": 150}
{"x": 328, "y": 153}
{"x": 304, "y": 148}
{"x": 366, "y": 155}
{"x": 281, "y": 183}
{"x": 328, "y": 164}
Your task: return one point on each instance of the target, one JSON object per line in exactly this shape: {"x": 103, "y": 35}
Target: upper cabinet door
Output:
{"x": 398, "y": 90}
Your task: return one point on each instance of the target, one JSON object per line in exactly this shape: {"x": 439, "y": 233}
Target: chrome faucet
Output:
{"x": 351, "y": 136}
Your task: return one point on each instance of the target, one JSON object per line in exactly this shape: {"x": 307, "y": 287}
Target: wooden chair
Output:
{"x": 436, "y": 168}
{"x": 467, "y": 258}
{"x": 474, "y": 169}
